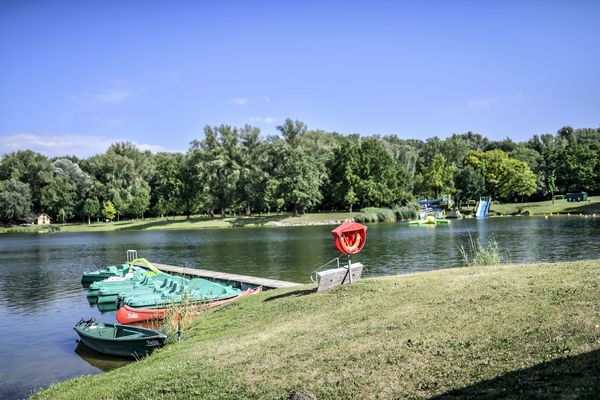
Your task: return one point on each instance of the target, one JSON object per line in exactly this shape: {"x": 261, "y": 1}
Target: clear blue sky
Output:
{"x": 76, "y": 75}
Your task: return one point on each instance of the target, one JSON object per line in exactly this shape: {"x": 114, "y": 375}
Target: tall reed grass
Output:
{"x": 479, "y": 255}
{"x": 376, "y": 214}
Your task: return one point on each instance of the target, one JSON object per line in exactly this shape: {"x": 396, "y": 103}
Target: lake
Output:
{"x": 41, "y": 297}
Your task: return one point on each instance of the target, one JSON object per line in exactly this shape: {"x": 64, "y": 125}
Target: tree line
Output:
{"x": 234, "y": 170}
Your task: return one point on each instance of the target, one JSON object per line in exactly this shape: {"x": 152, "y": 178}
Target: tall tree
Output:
{"x": 297, "y": 170}
{"x": 505, "y": 177}
{"x": 59, "y": 197}
{"x": 438, "y": 176}
{"x": 15, "y": 201}
{"x": 108, "y": 210}
{"x": 31, "y": 168}
{"x": 470, "y": 183}
{"x": 253, "y": 161}
{"x": 91, "y": 208}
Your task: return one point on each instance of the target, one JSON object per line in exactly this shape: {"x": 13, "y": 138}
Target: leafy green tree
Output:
{"x": 438, "y": 176}
{"x": 345, "y": 174}
{"x": 117, "y": 201}
{"x": 140, "y": 202}
{"x": 378, "y": 185}
{"x": 296, "y": 171}
{"x": 469, "y": 182}
{"x": 59, "y": 197}
{"x": 15, "y": 201}
{"x": 576, "y": 168}
{"x": 505, "y": 177}
{"x": 167, "y": 185}
{"x": 194, "y": 189}
{"x": 254, "y": 174}
{"x": 31, "y": 168}
{"x": 108, "y": 210}
{"x": 91, "y": 208}
{"x": 219, "y": 155}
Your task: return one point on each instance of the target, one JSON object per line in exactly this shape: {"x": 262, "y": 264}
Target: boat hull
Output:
{"x": 129, "y": 315}
{"x": 138, "y": 342}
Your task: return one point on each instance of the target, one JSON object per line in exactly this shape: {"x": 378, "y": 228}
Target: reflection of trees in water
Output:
{"x": 33, "y": 277}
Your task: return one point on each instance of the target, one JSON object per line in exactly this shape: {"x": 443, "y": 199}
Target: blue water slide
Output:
{"x": 483, "y": 207}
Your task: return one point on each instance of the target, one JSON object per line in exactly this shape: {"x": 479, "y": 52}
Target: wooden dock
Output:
{"x": 241, "y": 281}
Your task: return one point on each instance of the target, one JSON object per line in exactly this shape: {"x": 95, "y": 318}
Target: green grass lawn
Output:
{"x": 546, "y": 207}
{"x": 519, "y": 331}
{"x": 192, "y": 223}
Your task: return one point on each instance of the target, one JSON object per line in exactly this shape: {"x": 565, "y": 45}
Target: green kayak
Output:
{"x": 119, "y": 340}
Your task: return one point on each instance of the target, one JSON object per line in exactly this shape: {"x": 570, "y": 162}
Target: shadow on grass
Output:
{"x": 584, "y": 208}
{"x": 257, "y": 221}
{"x": 295, "y": 293}
{"x": 235, "y": 222}
{"x": 160, "y": 222}
{"x": 576, "y": 377}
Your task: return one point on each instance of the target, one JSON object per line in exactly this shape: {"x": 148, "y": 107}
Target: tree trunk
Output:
{"x": 223, "y": 213}
{"x": 89, "y": 222}
{"x": 350, "y": 207}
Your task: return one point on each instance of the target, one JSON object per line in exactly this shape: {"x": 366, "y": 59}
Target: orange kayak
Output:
{"x": 130, "y": 315}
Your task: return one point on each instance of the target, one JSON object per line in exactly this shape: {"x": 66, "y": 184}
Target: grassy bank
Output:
{"x": 532, "y": 331}
{"x": 546, "y": 207}
{"x": 192, "y": 223}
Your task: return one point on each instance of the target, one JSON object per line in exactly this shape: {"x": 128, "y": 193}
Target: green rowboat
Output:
{"x": 119, "y": 340}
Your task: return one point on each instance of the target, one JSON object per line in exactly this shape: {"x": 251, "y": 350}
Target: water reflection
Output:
{"x": 99, "y": 360}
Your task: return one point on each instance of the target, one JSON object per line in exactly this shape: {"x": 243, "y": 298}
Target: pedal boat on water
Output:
{"x": 119, "y": 340}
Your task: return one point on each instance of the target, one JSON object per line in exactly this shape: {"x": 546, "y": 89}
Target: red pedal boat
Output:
{"x": 130, "y": 315}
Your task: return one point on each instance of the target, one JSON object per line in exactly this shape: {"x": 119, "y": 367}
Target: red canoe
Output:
{"x": 130, "y": 315}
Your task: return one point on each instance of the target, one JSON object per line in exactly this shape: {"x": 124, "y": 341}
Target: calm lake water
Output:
{"x": 41, "y": 297}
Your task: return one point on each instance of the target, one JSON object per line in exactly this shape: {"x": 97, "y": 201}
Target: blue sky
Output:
{"x": 78, "y": 75}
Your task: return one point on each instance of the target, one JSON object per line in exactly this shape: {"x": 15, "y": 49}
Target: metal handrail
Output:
{"x": 314, "y": 280}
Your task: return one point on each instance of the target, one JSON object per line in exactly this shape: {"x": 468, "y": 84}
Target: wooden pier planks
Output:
{"x": 224, "y": 276}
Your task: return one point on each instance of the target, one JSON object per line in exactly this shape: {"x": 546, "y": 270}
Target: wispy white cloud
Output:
{"x": 490, "y": 102}
{"x": 265, "y": 120}
{"x": 57, "y": 145}
{"x": 113, "y": 95}
{"x": 240, "y": 101}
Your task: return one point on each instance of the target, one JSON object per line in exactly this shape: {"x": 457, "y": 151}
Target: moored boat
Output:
{"x": 114, "y": 270}
{"x": 128, "y": 314}
{"x": 196, "y": 290}
{"x": 119, "y": 340}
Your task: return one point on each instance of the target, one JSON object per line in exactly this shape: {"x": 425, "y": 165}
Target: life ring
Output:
{"x": 351, "y": 248}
